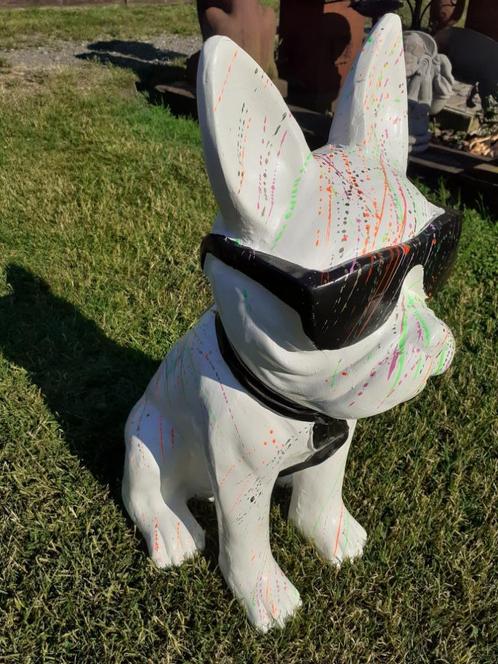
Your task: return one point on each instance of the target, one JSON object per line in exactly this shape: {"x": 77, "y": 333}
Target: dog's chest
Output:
{"x": 326, "y": 438}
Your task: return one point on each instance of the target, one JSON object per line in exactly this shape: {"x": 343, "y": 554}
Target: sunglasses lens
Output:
{"x": 349, "y": 309}
{"x": 442, "y": 252}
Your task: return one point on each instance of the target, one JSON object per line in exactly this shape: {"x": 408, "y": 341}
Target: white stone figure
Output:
{"x": 302, "y": 359}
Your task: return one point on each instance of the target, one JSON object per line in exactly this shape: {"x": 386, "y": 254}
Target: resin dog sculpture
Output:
{"x": 320, "y": 265}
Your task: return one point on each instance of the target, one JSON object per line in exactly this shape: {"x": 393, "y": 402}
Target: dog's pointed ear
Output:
{"x": 371, "y": 111}
{"x": 253, "y": 147}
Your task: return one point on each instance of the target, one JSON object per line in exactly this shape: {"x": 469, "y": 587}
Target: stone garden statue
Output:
{"x": 320, "y": 265}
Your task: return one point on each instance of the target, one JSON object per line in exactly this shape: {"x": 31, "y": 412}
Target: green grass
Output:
{"x": 41, "y": 26}
{"x": 103, "y": 201}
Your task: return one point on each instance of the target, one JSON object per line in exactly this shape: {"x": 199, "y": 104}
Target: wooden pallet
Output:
{"x": 476, "y": 177}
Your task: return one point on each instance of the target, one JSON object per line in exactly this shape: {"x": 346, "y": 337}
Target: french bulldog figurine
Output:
{"x": 320, "y": 265}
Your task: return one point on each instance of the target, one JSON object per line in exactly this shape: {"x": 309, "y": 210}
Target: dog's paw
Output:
{"x": 348, "y": 541}
{"x": 336, "y": 534}
{"x": 170, "y": 542}
{"x": 269, "y": 598}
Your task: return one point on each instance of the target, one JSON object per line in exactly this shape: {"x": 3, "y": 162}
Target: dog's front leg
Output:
{"x": 243, "y": 505}
{"x": 317, "y": 508}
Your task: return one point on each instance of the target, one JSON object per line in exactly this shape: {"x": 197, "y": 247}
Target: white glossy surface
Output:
{"x": 196, "y": 431}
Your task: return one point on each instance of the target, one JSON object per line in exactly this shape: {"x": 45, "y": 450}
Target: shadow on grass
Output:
{"x": 150, "y": 64}
{"x": 135, "y": 50}
{"x": 152, "y": 67}
{"x": 88, "y": 381}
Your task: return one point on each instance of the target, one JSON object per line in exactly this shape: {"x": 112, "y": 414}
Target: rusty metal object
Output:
{"x": 246, "y": 22}
{"x": 318, "y": 43}
{"x": 445, "y": 13}
{"x": 482, "y": 16}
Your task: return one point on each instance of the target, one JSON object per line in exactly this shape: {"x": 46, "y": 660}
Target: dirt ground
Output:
{"x": 125, "y": 53}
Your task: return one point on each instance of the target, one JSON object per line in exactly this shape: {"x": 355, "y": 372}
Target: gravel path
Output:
{"x": 126, "y": 53}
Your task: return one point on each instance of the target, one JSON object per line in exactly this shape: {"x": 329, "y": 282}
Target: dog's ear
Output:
{"x": 254, "y": 149}
{"x": 371, "y": 111}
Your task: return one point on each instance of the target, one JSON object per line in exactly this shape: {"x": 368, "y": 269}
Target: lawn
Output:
{"x": 103, "y": 202}
{"x": 38, "y": 26}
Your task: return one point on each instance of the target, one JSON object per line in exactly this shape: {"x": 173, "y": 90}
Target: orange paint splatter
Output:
{"x": 338, "y": 530}
{"x": 227, "y": 76}
{"x": 156, "y": 535}
{"x": 223, "y": 479}
{"x": 178, "y": 540}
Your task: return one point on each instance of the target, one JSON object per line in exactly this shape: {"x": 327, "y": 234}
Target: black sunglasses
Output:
{"x": 343, "y": 305}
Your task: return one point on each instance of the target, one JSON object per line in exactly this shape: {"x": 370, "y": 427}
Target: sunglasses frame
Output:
{"x": 343, "y": 305}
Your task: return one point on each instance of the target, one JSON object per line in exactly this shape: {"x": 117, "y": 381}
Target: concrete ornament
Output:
{"x": 320, "y": 265}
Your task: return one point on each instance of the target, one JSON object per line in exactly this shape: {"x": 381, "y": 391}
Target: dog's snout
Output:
{"x": 438, "y": 341}
{"x": 444, "y": 357}
{"x": 440, "y": 334}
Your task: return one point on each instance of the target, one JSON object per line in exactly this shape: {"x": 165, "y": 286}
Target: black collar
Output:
{"x": 328, "y": 433}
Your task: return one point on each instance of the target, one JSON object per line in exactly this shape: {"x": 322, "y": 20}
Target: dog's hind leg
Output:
{"x": 154, "y": 488}
{"x": 318, "y": 511}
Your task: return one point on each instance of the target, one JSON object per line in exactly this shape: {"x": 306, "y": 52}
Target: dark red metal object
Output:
{"x": 445, "y": 13}
{"x": 318, "y": 43}
{"x": 249, "y": 24}
{"x": 482, "y": 16}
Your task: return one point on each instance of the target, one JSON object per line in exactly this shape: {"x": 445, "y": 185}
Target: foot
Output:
{"x": 268, "y": 597}
{"x": 169, "y": 539}
{"x": 336, "y": 534}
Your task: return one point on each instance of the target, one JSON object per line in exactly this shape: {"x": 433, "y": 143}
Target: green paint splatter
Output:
{"x": 412, "y": 304}
{"x": 441, "y": 361}
{"x": 397, "y": 202}
{"x": 245, "y": 295}
{"x": 333, "y": 377}
{"x": 402, "y": 344}
{"x": 293, "y": 199}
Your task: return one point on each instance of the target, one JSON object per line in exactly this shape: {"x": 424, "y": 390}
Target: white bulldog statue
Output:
{"x": 320, "y": 265}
